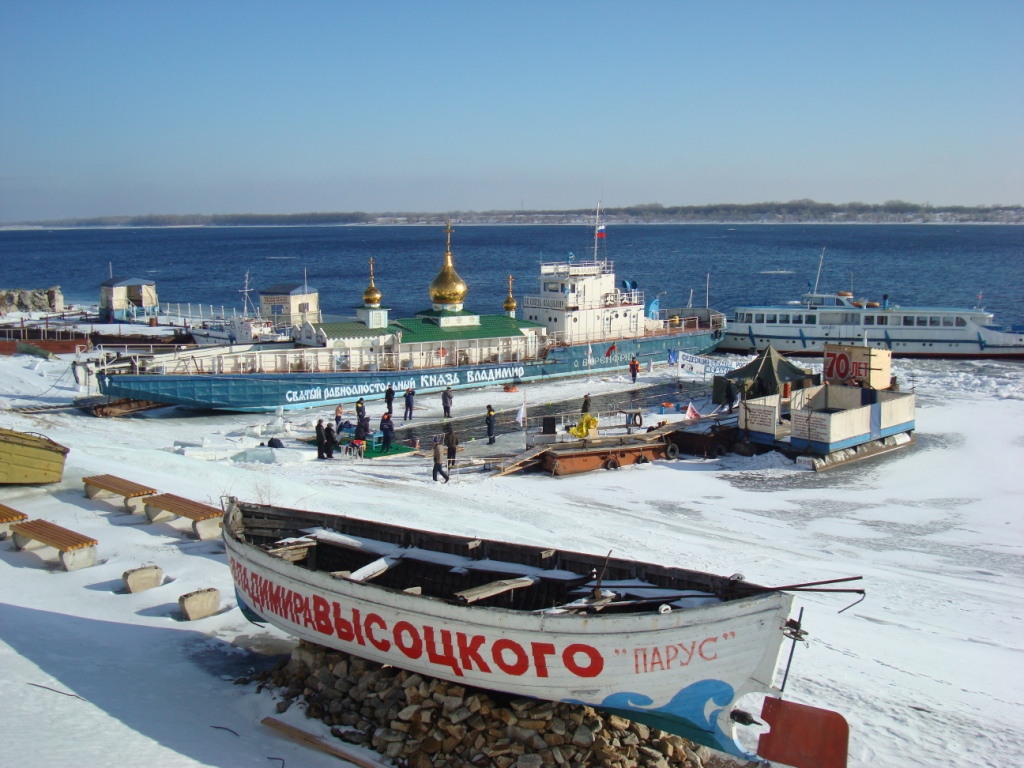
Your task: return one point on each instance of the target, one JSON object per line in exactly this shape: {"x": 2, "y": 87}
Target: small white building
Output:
{"x": 290, "y": 304}
{"x": 127, "y": 298}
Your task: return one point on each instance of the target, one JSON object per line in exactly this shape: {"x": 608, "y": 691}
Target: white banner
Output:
{"x": 702, "y": 366}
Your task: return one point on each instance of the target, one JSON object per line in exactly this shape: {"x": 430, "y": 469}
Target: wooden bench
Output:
{"x": 8, "y": 516}
{"x": 133, "y": 493}
{"x": 76, "y": 550}
{"x": 206, "y": 520}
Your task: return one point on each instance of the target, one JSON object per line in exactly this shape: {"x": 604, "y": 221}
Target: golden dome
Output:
{"x": 510, "y": 303}
{"x": 448, "y": 287}
{"x": 372, "y": 294}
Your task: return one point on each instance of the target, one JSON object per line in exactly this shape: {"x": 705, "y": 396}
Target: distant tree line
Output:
{"x": 794, "y": 211}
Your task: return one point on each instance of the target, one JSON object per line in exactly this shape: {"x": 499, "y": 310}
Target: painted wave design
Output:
{"x": 685, "y": 714}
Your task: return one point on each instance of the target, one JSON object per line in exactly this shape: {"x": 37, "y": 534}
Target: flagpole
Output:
{"x": 525, "y": 444}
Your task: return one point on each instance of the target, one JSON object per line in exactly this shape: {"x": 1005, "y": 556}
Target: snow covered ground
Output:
{"x": 928, "y": 670}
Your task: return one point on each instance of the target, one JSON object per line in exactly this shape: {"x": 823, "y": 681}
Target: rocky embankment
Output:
{"x": 422, "y": 722}
{"x": 37, "y": 300}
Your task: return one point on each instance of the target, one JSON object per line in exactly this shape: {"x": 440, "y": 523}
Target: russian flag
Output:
{"x": 600, "y": 231}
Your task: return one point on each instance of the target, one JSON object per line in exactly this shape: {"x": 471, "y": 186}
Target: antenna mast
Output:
{"x": 820, "y": 262}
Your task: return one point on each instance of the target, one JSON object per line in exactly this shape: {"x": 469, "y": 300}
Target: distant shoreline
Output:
{"x": 722, "y": 214}
{"x": 458, "y": 222}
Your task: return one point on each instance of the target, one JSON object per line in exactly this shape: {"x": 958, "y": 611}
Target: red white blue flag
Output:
{"x": 600, "y": 231}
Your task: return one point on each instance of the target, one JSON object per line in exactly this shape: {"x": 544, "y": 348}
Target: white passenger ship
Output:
{"x": 804, "y": 327}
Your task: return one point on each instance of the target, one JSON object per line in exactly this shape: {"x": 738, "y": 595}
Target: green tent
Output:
{"x": 764, "y": 375}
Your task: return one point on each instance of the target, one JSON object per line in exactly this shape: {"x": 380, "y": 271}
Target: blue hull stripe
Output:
{"x": 256, "y": 393}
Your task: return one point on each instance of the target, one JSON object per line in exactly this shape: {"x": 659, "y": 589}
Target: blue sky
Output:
{"x": 116, "y": 108}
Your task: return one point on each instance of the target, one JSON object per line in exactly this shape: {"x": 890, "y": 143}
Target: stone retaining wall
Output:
{"x": 422, "y": 722}
{"x": 38, "y": 300}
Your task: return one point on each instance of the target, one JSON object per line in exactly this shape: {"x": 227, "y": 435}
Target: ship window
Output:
{"x": 908, "y": 319}
{"x": 759, "y": 317}
{"x": 811, "y": 319}
{"x": 575, "y": 319}
{"x": 798, "y": 319}
{"x": 770, "y": 318}
{"x": 551, "y": 287}
{"x": 960, "y": 322}
{"x": 869, "y": 319}
{"x": 783, "y": 318}
{"x": 882, "y": 320}
{"x": 922, "y": 321}
{"x": 947, "y": 322}
{"x": 934, "y": 321}
{"x": 739, "y": 317}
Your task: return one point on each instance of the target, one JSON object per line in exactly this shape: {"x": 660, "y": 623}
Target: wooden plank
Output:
{"x": 183, "y": 507}
{"x": 358, "y": 757}
{"x": 118, "y": 485}
{"x": 501, "y": 586}
{"x": 11, "y": 515}
{"x": 53, "y": 535}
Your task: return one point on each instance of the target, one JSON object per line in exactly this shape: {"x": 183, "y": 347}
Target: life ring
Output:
{"x": 672, "y": 451}
{"x": 442, "y": 352}
{"x": 843, "y": 293}
{"x": 611, "y": 464}
{"x": 638, "y": 420}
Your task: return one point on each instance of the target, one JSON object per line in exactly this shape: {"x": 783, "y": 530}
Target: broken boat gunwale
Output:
{"x": 675, "y": 668}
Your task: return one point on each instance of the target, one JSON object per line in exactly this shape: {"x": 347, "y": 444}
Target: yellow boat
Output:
{"x": 30, "y": 458}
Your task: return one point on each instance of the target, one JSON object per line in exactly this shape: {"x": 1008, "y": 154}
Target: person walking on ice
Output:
{"x": 446, "y": 402}
{"x": 439, "y": 461}
{"x": 634, "y": 368}
{"x": 410, "y": 395}
{"x": 389, "y": 399}
{"x": 491, "y": 421}
{"x": 387, "y": 430}
{"x": 452, "y": 441}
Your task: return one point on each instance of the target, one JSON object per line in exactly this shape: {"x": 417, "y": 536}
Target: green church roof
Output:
{"x": 422, "y": 329}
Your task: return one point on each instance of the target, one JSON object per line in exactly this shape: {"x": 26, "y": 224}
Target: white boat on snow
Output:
{"x": 806, "y": 326}
{"x": 672, "y": 648}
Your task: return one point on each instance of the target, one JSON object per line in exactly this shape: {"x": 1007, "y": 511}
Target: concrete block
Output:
{"x": 141, "y": 579}
{"x": 199, "y": 604}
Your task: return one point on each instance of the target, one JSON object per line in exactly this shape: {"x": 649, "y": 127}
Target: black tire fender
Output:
{"x": 719, "y": 451}
{"x": 672, "y": 451}
{"x": 611, "y": 464}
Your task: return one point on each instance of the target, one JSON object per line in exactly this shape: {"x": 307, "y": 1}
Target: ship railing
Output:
{"x": 606, "y": 421}
{"x": 572, "y": 302}
{"x": 577, "y": 268}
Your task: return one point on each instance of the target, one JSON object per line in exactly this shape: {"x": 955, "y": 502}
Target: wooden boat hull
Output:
{"x": 571, "y": 461}
{"x": 28, "y": 458}
{"x": 681, "y": 670}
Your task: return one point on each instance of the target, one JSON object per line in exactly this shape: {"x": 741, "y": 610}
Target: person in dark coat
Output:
{"x": 329, "y": 438}
{"x": 730, "y": 393}
{"x": 491, "y": 420}
{"x": 321, "y": 440}
{"x": 451, "y": 440}
{"x": 361, "y": 430}
{"x": 439, "y": 461}
{"x": 389, "y": 399}
{"x": 410, "y": 395}
{"x": 586, "y": 404}
{"x": 387, "y": 430}
{"x": 360, "y": 409}
{"x": 446, "y": 402}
